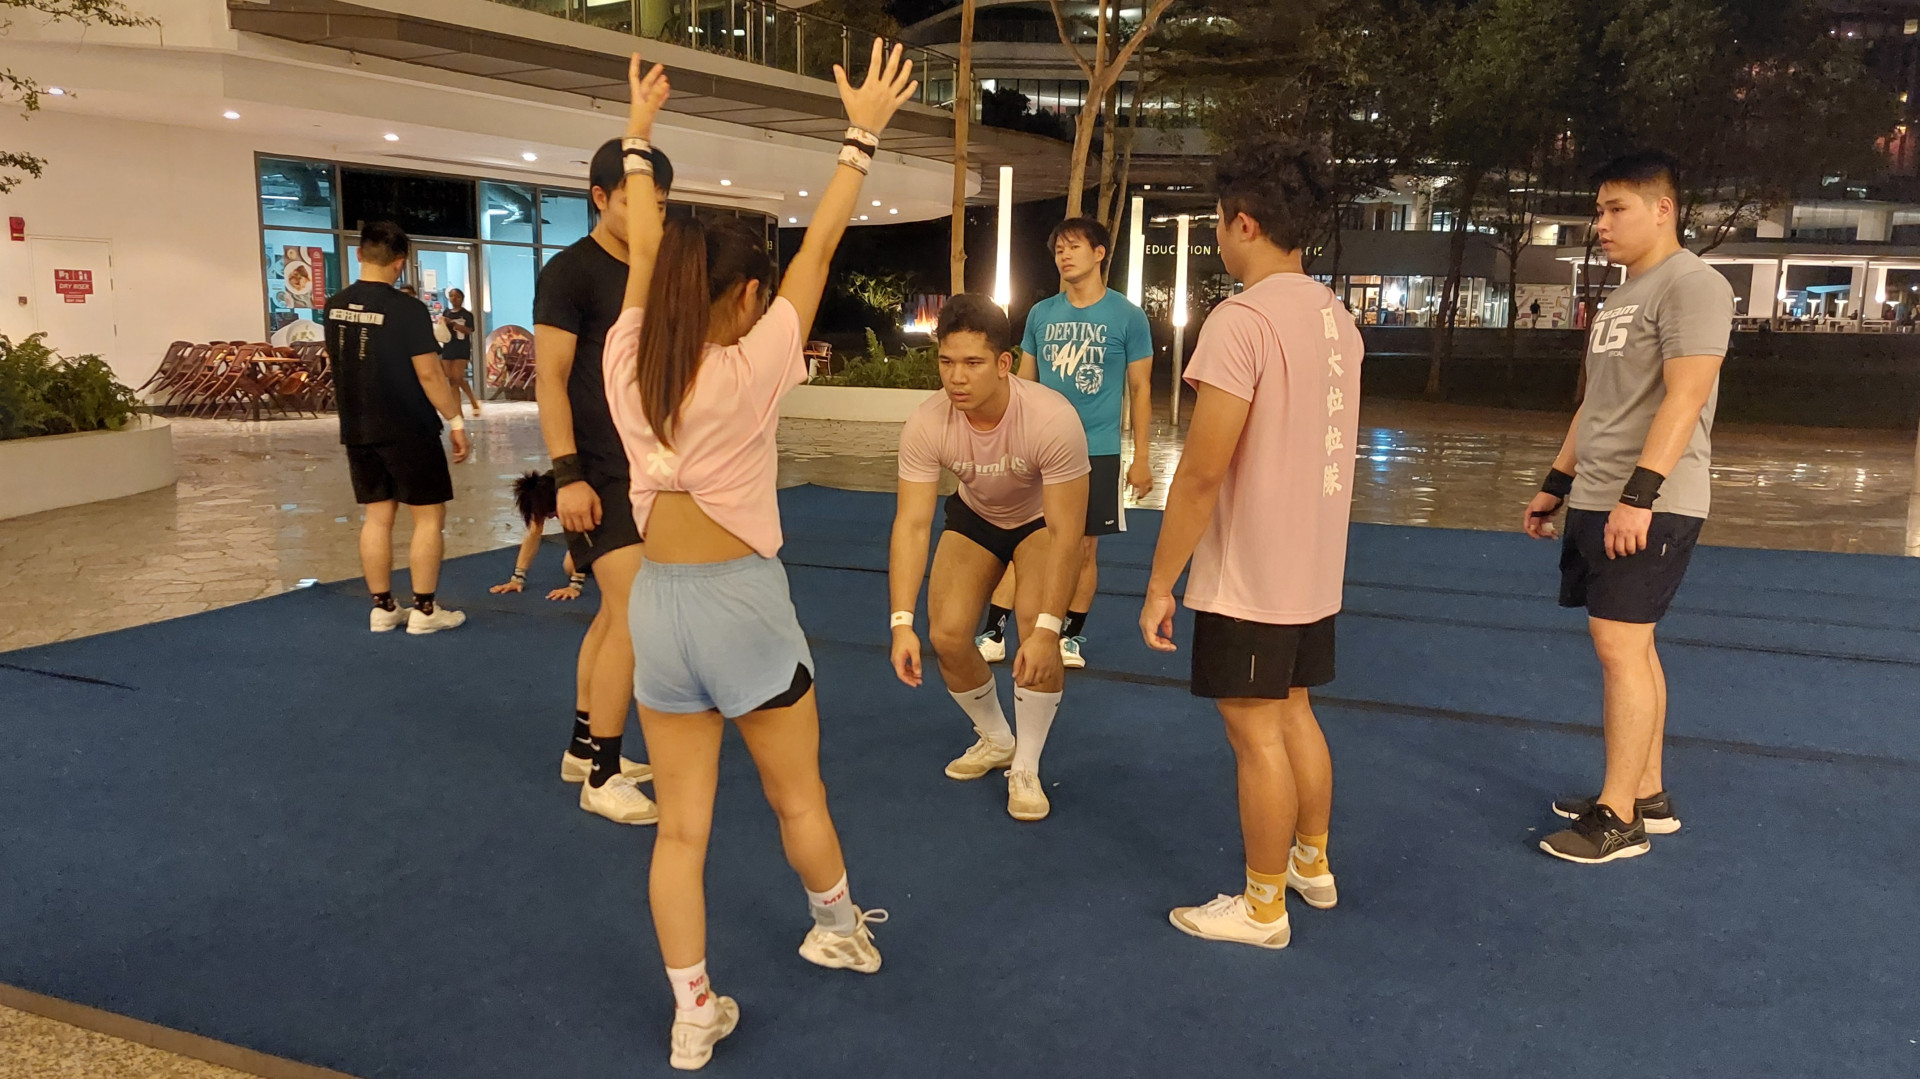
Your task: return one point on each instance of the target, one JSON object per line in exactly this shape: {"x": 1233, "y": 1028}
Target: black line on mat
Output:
{"x": 81, "y": 678}
{"x": 1487, "y": 719}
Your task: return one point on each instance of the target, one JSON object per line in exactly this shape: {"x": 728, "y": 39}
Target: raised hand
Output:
{"x": 888, "y": 86}
{"x": 647, "y": 95}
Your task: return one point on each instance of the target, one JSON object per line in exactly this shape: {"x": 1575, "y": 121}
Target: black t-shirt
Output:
{"x": 457, "y": 346}
{"x": 580, "y": 291}
{"x": 373, "y": 334}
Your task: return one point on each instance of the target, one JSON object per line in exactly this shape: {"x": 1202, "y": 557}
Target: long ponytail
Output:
{"x": 697, "y": 264}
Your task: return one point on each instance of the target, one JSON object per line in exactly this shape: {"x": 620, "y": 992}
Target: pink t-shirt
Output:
{"x": 723, "y": 441}
{"x": 1276, "y": 549}
{"x": 1039, "y": 441}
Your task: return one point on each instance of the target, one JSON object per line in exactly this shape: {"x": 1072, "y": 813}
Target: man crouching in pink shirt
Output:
{"x": 1260, "y": 503}
{"x": 1020, "y": 453}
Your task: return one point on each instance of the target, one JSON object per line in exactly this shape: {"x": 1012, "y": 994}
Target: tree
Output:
{"x": 1103, "y": 74}
{"x": 962, "y": 116}
{"x": 16, "y": 167}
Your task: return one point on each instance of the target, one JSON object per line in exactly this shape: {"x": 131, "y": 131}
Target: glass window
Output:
{"x": 508, "y": 300}
{"x": 564, "y": 217}
{"x": 296, "y": 194}
{"x": 506, "y": 213}
{"x": 422, "y": 205}
{"x": 547, "y": 253}
{"x": 303, "y": 269}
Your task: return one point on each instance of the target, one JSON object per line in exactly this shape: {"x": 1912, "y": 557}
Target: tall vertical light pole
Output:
{"x": 1136, "y": 251}
{"x": 1003, "y": 259}
{"x": 1179, "y": 308}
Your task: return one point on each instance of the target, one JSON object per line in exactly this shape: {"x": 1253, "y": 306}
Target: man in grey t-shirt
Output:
{"x": 1634, "y": 473}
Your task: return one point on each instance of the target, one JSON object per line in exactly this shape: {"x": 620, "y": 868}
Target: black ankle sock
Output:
{"x": 581, "y": 744}
{"x": 423, "y": 602}
{"x": 384, "y": 601}
{"x": 606, "y": 760}
{"x": 996, "y": 624}
{"x": 1076, "y": 621}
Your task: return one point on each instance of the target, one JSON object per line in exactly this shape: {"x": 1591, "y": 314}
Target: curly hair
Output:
{"x": 536, "y": 497}
{"x": 1281, "y": 183}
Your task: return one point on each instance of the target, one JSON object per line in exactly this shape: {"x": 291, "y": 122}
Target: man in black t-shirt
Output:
{"x": 457, "y": 353}
{"x": 576, "y": 302}
{"x": 392, "y": 394}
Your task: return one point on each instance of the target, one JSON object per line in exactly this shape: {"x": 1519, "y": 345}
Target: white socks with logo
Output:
{"x": 833, "y": 908}
{"x": 692, "y": 994}
{"x": 982, "y": 705}
{"x": 1034, "y": 712}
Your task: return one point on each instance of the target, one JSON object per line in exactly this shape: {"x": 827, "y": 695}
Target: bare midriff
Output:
{"x": 679, "y": 531}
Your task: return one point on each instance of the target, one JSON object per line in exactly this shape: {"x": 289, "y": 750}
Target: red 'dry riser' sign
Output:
{"x": 74, "y": 286}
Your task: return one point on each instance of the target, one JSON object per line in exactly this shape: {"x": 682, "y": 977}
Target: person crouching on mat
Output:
{"x": 535, "y": 497}
{"x": 695, "y": 368}
{"x": 1020, "y": 453}
{"x": 1260, "y": 503}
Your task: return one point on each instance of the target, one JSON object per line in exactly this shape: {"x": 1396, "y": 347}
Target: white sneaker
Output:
{"x": 1226, "y": 918}
{"x": 419, "y": 621}
{"x": 1025, "y": 799}
{"x": 982, "y": 757}
{"x": 383, "y": 621}
{"x": 992, "y": 649}
{"x": 693, "y": 1043}
{"x": 1318, "y": 891}
{"x": 826, "y": 948}
{"x": 619, "y": 800}
{"x": 1070, "y": 656}
{"x": 576, "y": 769}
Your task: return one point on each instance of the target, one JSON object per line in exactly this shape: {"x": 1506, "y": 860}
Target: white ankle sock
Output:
{"x": 692, "y": 993}
{"x": 833, "y": 909}
{"x": 982, "y": 705}
{"x": 1034, "y": 712}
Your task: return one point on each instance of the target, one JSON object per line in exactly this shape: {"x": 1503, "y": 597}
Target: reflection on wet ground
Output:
{"x": 261, "y": 506}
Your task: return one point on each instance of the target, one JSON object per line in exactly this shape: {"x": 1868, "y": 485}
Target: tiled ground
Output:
{"x": 261, "y": 506}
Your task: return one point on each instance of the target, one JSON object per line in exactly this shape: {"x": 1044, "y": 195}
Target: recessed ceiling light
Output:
{"x": 726, "y": 183}
{"x": 793, "y": 221}
{"x": 876, "y": 202}
{"x": 863, "y": 217}
{"x": 893, "y": 209}
{"x": 231, "y": 115}
{"x": 391, "y": 137}
{"x": 56, "y": 91}
{"x": 529, "y": 156}
{"x": 803, "y": 194}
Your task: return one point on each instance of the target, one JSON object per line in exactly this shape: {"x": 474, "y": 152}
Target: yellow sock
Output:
{"x": 1316, "y": 847}
{"x": 1266, "y": 895}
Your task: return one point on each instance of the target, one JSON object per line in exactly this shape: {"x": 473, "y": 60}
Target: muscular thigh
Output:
{"x": 962, "y": 581}
{"x": 1030, "y": 579}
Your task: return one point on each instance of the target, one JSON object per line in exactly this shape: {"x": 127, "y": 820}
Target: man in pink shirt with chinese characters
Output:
{"x": 1260, "y": 504}
{"x": 1020, "y": 453}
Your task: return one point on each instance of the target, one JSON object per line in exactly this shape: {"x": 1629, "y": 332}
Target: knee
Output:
{"x": 794, "y": 802}
{"x": 951, "y": 641}
{"x": 688, "y": 831}
{"x": 1623, "y": 651}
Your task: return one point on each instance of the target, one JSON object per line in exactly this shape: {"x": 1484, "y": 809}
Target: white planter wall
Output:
{"x": 858, "y": 404}
{"x": 39, "y": 474}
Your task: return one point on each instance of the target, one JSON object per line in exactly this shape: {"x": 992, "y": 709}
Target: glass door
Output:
{"x": 437, "y": 270}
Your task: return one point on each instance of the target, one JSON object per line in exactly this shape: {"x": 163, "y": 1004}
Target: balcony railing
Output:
{"x": 757, "y": 31}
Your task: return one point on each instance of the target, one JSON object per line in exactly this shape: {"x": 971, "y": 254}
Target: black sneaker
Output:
{"x": 1656, "y": 811}
{"x": 1598, "y": 836}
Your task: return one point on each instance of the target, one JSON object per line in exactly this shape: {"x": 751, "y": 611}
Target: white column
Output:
{"x": 1774, "y": 225}
{"x": 1136, "y": 251}
{"x": 1876, "y": 289}
{"x": 1762, "y": 293}
{"x": 1179, "y": 309}
{"x": 1875, "y": 226}
{"x": 1857, "y": 291}
{"x": 1003, "y": 259}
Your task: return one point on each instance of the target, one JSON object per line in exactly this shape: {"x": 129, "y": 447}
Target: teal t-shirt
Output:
{"x": 1083, "y": 352}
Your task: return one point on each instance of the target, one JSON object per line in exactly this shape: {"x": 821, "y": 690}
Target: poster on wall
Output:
{"x": 74, "y": 286}
{"x": 1556, "y": 307}
{"x": 298, "y": 274}
{"x": 317, "y": 263}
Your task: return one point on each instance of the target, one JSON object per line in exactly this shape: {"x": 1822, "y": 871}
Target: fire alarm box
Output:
{"x": 17, "y": 227}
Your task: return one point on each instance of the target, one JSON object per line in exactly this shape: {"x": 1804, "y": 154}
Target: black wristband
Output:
{"x": 1642, "y": 488}
{"x": 1558, "y": 484}
{"x": 576, "y": 580}
{"x": 567, "y": 470}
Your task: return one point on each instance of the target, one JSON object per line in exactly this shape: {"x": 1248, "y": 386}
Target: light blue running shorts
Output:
{"x": 718, "y": 636}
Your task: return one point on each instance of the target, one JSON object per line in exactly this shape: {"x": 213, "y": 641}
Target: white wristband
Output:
{"x": 458, "y": 423}
{"x": 1048, "y": 622}
{"x": 902, "y": 618}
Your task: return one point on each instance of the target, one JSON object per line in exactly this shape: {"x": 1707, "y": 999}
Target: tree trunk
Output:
{"x": 1082, "y": 148}
{"x": 1109, "y": 151}
{"x": 1468, "y": 187}
{"x": 1513, "y": 320}
{"x": 962, "y": 120}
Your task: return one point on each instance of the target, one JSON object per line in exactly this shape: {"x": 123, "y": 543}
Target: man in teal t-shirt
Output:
{"x": 1094, "y": 347}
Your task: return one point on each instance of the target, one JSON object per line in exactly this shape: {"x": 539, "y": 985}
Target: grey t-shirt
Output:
{"x": 1682, "y": 307}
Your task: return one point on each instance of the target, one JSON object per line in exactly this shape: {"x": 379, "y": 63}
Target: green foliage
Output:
{"x": 917, "y": 369}
{"x": 884, "y": 293}
{"x": 43, "y": 394}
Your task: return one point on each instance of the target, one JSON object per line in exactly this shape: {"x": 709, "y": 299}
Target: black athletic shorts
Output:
{"x": 999, "y": 542}
{"x": 414, "y": 473}
{"x": 1236, "y": 658}
{"x": 1106, "y": 509}
{"x": 1638, "y": 588}
{"x": 616, "y": 529}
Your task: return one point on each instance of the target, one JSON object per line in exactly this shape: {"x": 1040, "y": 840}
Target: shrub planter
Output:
{"x": 54, "y": 471}
{"x": 859, "y": 404}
